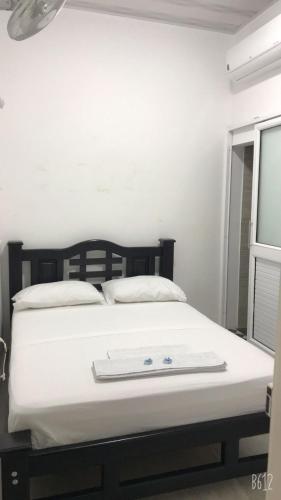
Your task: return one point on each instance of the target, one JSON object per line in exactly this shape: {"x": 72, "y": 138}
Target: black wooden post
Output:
{"x": 15, "y": 268}
{"x": 15, "y": 476}
{"x": 167, "y": 258}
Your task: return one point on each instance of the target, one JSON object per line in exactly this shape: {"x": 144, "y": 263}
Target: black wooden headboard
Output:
{"x": 112, "y": 260}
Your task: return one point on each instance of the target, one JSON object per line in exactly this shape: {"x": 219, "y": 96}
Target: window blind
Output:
{"x": 266, "y": 302}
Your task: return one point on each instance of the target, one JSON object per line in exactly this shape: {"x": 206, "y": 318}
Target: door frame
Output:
{"x": 234, "y": 235}
{"x": 236, "y": 137}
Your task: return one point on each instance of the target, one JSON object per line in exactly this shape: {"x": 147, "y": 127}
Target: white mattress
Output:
{"x": 53, "y": 391}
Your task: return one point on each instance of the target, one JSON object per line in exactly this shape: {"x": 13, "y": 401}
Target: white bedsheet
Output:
{"x": 53, "y": 391}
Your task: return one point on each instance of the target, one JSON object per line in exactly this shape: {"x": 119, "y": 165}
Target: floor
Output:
{"x": 235, "y": 489}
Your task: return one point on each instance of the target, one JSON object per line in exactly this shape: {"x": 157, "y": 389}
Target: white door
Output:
{"x": 265, "y": 236}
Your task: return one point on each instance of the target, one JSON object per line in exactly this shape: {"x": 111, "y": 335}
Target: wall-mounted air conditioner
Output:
{"x": 257, "y": 53}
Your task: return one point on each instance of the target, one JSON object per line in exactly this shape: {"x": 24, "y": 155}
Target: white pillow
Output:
{"x": 60, "y": 293}
{"x": 142, "y": 289}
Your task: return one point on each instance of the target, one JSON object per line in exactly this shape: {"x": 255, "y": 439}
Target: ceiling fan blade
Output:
{"x": 31, "y": 16}
{"x": 6, "y": 5}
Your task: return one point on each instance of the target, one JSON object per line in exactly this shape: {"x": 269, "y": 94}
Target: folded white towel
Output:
{"x": 148, "y": 351}
{"x": 113, "y": 369}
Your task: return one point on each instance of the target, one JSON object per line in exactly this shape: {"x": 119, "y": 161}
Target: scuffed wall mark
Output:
{"x": 128, "y": 188}
{"x": 103, "y": 189}
{"x": 132, "y": 180}
{"x": 43, "y": 187}
{"x": 41, "y": 168}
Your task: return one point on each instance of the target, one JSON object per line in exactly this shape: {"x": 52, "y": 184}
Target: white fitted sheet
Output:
{"x": 53, "y": 391}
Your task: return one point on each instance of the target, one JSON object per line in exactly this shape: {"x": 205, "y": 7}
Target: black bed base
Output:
{"x": 20, "y": 463}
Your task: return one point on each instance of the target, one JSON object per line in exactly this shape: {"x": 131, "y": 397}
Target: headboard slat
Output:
{"x": 97, "y": 261}
{"x": 83, "y": 266}
{"x": 60, "y": 268}
{"x": 109, "y": 273}
{"x": 151, "y": 265}
{"x": 95, "y": 274}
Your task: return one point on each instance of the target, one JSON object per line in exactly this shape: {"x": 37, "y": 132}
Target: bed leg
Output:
{"x": 111, "y": 481}
{"x": 15, "y": 477}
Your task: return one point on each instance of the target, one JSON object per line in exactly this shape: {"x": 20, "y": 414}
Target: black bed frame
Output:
{"x": 20, "y": 463}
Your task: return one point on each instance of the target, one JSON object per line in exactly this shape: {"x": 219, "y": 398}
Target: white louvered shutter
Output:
{"x": 266, "y": 302}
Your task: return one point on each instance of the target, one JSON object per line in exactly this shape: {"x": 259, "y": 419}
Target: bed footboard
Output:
{"x": 21, "y": 463}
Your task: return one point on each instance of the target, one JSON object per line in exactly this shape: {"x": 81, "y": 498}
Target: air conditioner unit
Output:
{"x": 257, "y": 53}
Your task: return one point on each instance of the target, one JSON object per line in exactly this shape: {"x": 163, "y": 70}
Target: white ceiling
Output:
{"x": 219, "y": 15}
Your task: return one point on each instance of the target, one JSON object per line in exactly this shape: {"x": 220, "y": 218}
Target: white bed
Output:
{"x": 53, "y": 391}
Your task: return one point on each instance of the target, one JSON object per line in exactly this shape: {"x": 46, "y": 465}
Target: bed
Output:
{"x": 61, "y": 418}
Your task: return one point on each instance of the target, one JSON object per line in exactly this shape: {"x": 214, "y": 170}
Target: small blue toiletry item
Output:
{"x": 148, "y": 361}
{"x": 167, "y": 360}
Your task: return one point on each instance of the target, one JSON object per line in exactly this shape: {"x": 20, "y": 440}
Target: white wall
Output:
{"x": 114, "y": 128}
